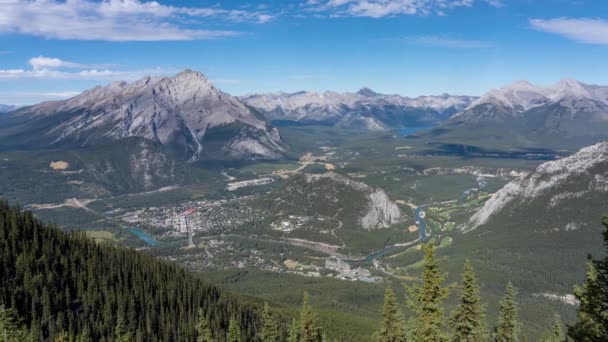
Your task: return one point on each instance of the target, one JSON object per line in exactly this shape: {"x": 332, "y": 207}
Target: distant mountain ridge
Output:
{"x": 4, "y": 108}
{"x": 185, "y": 112}
{"x": 522, "y": 96}
{"x": 566, "y": 116}
{"x": 365, "y": 109}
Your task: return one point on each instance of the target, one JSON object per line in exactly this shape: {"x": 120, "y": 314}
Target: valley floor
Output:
{"x": 220, "y": 229}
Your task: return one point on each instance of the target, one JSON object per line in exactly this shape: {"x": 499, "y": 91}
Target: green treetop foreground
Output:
{"x": 468, "y": 321}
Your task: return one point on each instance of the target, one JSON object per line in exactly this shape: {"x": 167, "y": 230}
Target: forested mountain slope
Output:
{"x": 65, "y": 283}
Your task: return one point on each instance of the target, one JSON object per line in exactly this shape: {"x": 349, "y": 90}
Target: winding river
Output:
{"x": 423, "y": 237}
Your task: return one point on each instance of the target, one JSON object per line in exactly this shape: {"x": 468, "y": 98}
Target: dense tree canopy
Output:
{"x": 60, "y": 283}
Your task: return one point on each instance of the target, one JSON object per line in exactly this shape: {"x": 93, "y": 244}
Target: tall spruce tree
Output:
{"x": 392, "y": 327}
{"x": 592, "y": 315}
{"x": 203, "y": 329}
{"x": 294, "y": 332}
{"x": 427, "y": 301}
{"x": 309, "y": 329}
{"x": 508, "y": 322}
{"x": 11, "y": 328}
{"x": 556, "y": 333}
{"x": 468, "y": 321}
{"x": 234, "y": 331}
{"x": 270, "y": 330}
{"x": 121, "y": 331}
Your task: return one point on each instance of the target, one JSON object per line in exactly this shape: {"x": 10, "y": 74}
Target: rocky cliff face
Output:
{"x": 381, "y": 212}
{"x": 555, "y": 184}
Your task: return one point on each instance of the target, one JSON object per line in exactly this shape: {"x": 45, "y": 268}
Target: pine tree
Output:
{"x": 11, "y": 329}
{"x": 234, "y": 331}
{"x": 309, "y": 330}
{"x": 426, "y": 301}
{"x": 270, "y": 331}
{"x": 62, "y": 337}
{"x": 508, "y": 324}
{"x": 121, "y": 331}
{"x": 468, "y": 321}
{"x": 392, "y": 326}
{"x": 592, "y": 315}
{"x": 294, "y": 332}
{"x": 203, "y": 329}
{"x": 85, "y": 336}
{"x": 555, "y": 334}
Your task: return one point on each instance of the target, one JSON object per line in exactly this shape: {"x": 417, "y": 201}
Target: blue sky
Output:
{"x": 52, "y": 49}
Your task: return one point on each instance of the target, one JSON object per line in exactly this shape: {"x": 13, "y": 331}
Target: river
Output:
{"x": 423, "y": 237}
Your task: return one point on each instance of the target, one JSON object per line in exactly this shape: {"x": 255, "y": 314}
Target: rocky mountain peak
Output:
{"x": 365, "y": 91}
{"x": 177, "y": 110}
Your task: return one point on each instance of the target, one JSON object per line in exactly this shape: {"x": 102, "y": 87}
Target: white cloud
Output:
{"x": 584, "y": 30}
{"x": 41, "y": 62}
{"x": 55, "y": 68}
{"x": 116, "y": 20}
{"x": 446, "y": 42}
{"x": 387, "y": 8}
{"x": 89, "y": 74}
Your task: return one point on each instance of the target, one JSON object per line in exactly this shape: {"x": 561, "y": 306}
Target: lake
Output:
{"x": 145, "y": 237}
{"x": 411, "y": 130}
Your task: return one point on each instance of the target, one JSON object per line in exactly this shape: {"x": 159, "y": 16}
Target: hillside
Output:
{"x": 61, "y": 282}
{"x": 333, "y": 195}
{"x": 538, "y": 230}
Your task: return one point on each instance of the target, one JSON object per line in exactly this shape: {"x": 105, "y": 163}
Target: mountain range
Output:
{"x": 189, "y": 117}
{"x": 185, "y": 113}
{"x": 365, "y": 109}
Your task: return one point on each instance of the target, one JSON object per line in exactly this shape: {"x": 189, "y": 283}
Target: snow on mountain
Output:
{"x": 177, "y": 111}
{"x": 522, "y": 96}
{"x": 576, "y": 176}
{"x": 519, "y": 96}
{"x": 380, "y": 111}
